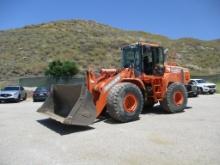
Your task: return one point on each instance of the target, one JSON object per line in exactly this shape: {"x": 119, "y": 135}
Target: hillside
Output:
{"x": 27, "y": 51}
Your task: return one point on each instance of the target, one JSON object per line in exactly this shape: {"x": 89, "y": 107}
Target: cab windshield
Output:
{"x": 131, "y": 57}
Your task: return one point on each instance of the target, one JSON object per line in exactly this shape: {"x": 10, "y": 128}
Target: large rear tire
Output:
{"x": 175, "y": 99}
{"x": 125, "y": 102}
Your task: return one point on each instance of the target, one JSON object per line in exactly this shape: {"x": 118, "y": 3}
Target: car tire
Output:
{"x": 18, "y": 99}
{"x": 201, "y": 91}
{"x": 25, "y": 96}
{"x": 195, "y": 94}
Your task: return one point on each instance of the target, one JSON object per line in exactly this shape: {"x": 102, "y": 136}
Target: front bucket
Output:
{"x": 70, "y": 104}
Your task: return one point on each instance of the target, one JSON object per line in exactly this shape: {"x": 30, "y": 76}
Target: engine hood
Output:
{"x": 205, "y": 84}
{"x": 175, "y": 69}
{"x": 8, "y": 92}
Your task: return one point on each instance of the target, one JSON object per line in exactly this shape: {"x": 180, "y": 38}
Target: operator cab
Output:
{"x": 144, "y": 58}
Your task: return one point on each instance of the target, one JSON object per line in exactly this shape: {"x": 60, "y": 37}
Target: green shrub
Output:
{"x": 58, "y": 69}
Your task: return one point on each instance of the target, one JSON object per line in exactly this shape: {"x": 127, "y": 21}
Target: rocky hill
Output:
{"x": 27, "y": 51}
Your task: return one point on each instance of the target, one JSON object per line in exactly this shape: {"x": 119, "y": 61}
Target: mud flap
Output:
{"x": 70, "y": 104}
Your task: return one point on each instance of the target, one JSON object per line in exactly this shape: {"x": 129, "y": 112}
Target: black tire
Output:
{"x": 115, "y": 106}
{"x": 195, "y": 94}
{"x": 18, "y": 99}
{"x": 25, "y": 96}
{"x": 201, "y": 91}
{"x": 211, "y": 92}
{"x": 168, "y": 102}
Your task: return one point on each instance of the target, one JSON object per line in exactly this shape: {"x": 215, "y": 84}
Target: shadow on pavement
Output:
{"x": 107, "y": 119}
{"x": 188, "y": 107}
{"x": 67, "y": 129}
{"x": 155, "y": 110}
{"x": 159, "y": 110}
{"x": 146, "y": 110}
{"x": 112, "y": 121}
{"x": 61, "y": 128}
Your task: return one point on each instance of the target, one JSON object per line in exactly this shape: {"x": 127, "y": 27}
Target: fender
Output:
{"x": 102, "y": 100}
{"x": 135, "y": 81}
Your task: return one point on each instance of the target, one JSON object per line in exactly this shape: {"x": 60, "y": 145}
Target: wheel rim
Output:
{"x": 130, "y": 103}
{"x": 178, "y": 98}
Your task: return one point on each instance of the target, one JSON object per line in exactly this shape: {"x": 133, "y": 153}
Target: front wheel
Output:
{"x": 18, "y": 99}
{"x": 125, "y": 102}
{"x": 211, "y": 92}
{"x": 201, "y": 91}
{"x": 175, "y": 99}
{"x": 195, "y": 94}
{"x": 25, "y": 96}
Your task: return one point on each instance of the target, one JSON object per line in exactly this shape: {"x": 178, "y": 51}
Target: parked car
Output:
{"x": 13, "y": 93}
{"x": 192, "y": 89}
{"x": 203, "y": 86}
{"x": 40, "y": 94}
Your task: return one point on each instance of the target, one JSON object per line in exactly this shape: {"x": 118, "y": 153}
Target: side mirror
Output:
{"x": 165, "y": 51}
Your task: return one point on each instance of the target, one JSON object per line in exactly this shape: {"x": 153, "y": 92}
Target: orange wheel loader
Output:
{"x": 143, "y": 80}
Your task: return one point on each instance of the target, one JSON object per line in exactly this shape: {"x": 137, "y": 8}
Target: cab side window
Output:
{"x": 147, "y": 60}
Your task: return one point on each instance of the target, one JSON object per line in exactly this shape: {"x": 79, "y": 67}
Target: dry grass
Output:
{"x": 27, "y": 51}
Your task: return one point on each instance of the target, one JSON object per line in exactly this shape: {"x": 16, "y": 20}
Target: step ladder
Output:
{"x": 157, "y": 88}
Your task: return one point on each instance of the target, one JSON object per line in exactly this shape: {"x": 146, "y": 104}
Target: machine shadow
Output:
{"x": 146, "y": 110}
{"x": 159, "y": 110}
{"x": 61, "y": 128}
{"x": 154, "y": 110}
{"x": 107, "y": 119}
{"x": 68, "y": 129}
{"x": 112, "y": 121}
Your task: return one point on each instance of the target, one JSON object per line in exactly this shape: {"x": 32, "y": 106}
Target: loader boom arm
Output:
{"x": 100, "y": 85}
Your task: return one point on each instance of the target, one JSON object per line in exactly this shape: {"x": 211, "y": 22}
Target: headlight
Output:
{"x": 16, "y": 93}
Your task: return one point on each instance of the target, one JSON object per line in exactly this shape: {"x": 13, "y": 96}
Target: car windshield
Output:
{"x": 41, "y": 89}
{"x": 11, "y": 88}
{"x": 201, "y": 81}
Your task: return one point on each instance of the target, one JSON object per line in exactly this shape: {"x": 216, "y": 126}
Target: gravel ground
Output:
{"x": 190, "y": 137}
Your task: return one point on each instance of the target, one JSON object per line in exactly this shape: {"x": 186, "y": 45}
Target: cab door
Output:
{"x": 153, "y": 60}
{"x": 158, "y": 61}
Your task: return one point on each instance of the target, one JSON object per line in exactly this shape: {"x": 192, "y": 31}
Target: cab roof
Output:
{"x": 195, "y": 79}
{"x": 152, "y": 44}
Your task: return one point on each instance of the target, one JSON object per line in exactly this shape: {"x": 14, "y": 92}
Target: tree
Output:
{"x": 58, "y": 69}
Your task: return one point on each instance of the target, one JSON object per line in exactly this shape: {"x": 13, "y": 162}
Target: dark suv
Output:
{"x": 40, "y": 94}
{"x": 192, "y": 89}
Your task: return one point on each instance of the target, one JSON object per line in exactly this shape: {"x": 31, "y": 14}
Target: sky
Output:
{"x": 173, "y": 18}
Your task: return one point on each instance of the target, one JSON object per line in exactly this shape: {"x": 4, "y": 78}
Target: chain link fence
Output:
{"x": 212, "y": 78}
{"x": 48, "y": 81}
